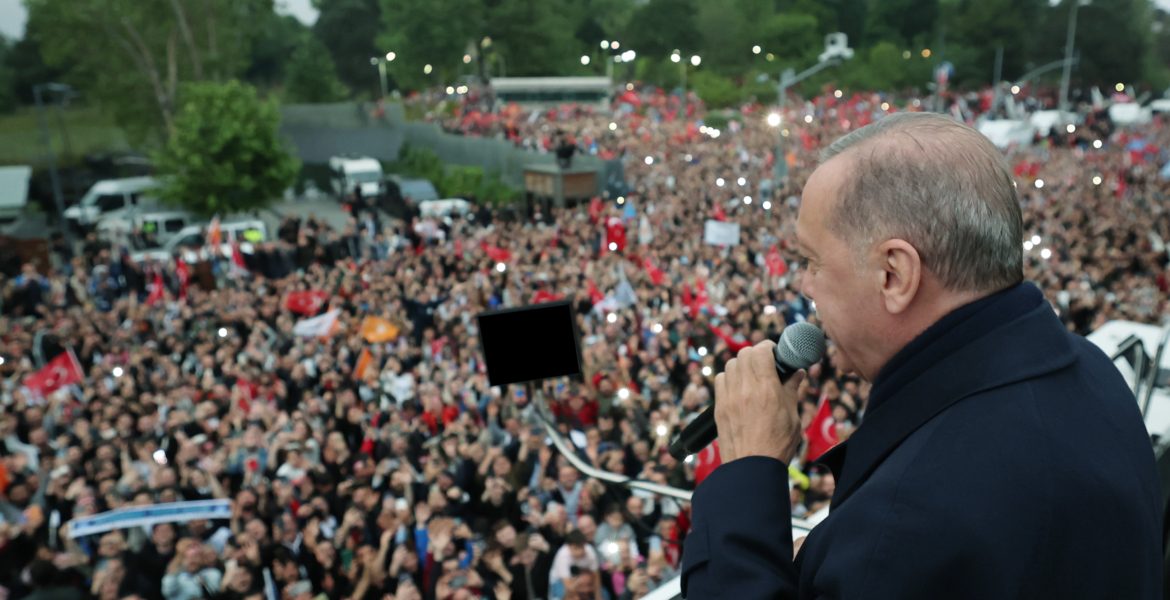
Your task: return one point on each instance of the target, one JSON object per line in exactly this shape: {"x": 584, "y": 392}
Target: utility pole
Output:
{"x": 38, "y": 91}
{"x": 1069, "y": 40}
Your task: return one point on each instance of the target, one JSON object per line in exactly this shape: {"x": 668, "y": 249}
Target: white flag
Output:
{"x": 319, "y": 326}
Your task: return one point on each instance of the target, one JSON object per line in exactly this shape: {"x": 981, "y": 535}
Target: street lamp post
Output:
{"x": 381, "y": 64}
{"x": 38, "y": 91}
{"x": 696, "y": 60}
{"x": 1069, "y": 40}
{"x": 836, "y": 50}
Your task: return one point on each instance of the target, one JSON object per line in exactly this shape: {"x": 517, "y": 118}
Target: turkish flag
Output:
{"x": 238, "y": 258}
{"x": 821, "y": 433}
{"x": 776, "y": 265}
{"x": 656, "y": 274}
{"x": 706, "y": 461}
{"x": 61, "y": 371}
{"x": 306, "y": 302}
{"x": 496, "y": 253}
{"x": 157, "y": 290}
{"x": 184, "y": 273}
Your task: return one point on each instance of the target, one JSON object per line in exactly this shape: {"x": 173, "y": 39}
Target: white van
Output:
{"x": 347, "y": 172}
{"x": 191, "y": 242}
{"x": 107, "y": 196}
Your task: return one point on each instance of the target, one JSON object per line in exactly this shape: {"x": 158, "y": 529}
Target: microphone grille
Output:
{"x": 801, "y": 345}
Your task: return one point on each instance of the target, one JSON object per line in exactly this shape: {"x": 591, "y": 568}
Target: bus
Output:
{"x": 543, "y": 92}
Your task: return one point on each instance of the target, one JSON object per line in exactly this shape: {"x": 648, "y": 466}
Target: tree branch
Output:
{"x": 188, "y": 39}
{"x": 140, "y": 56}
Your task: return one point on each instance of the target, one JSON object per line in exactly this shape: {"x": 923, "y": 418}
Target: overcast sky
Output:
{"x": 12, "y": 14}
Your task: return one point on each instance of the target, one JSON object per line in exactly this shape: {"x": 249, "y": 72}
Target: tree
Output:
{"x": 902, "y": 21}
{"x": 133, "y": 55}
{"x": 976, "y": 29}
{"x": 1112, "y": 39}
{"x": 428, "y": 32}
{"x": 277, "y": 38}
{"x": 793, "y": 37}
{"x": 311, "y": 75}
{"x": 661, "y": 26}
{"x": 28, "y": 68}
{"x": 349, "y": 29}
{"x": 535, "y": 36}
{"x": 225, "y": 155}
{"x": 7, "y": 78}
{"x": 728, "y": 36}
{"x": 716, "y": 91}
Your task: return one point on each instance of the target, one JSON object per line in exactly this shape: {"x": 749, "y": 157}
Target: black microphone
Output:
{"x": 801, "y": 346}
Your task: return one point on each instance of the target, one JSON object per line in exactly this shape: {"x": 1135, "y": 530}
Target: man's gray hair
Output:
{"x": 939, "y": 185}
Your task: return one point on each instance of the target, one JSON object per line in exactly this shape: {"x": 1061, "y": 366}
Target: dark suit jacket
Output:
{"x": 1000, "y": 457}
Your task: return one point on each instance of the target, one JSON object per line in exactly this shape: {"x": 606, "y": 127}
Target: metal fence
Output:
{"x": 319, "y": 131}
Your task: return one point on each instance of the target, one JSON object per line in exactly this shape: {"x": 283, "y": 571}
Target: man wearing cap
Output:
{"x": 1000, "y": 456}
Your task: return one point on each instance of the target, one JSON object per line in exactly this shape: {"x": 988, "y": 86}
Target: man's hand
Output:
{"x": 755, "y": 414}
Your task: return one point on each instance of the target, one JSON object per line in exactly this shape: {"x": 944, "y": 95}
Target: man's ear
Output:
{"x": 900, "y": 273}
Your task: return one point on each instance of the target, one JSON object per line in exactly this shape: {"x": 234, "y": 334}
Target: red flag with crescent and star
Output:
{"x": 61, "y": 371}
{"x": 821, "y": 432}
{"x": 306, "y": 302}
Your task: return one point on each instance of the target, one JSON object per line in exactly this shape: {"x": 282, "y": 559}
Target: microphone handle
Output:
{"x": 699, "y": 433}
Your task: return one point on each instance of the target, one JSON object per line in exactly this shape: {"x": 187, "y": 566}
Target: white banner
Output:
{"x": 135, "y": 516}
{"x": 718, "y": 233}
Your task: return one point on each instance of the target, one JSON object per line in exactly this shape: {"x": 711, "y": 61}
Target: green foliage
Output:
{"x": 7, "y": 78}
{"x": 421, "y": 163}
{"x": 277, "y": 38}
{"x": 28, "y": 68}
{"x": 661, "y": 26}
{"x": 495, "y": 192}
{"x": 22, "y": 141}
{"x": 903, "y": 22}
{"x": 716, "y": 91}
{"x": 427, "y": 32}
{"x": 461, "y": 181}
{"x": 225, "y": 155}
{"x": 132, "y": 56}
{"x": 534, "y": 37}
{"x": 312, "y": 76}
{"x": 793, "y": 38}
{"x": 349, "y": 28}
{"x": 454, "y": 181}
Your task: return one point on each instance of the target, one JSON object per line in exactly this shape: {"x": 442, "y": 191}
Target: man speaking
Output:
{"x": 1000, "y": 456}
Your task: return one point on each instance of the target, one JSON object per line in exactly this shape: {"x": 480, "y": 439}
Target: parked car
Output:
{"x": 160, "y": 224}
{"x": 191, "y": 243}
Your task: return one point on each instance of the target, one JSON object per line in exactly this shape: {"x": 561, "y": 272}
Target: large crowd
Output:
{"x": 408, "y": 475}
